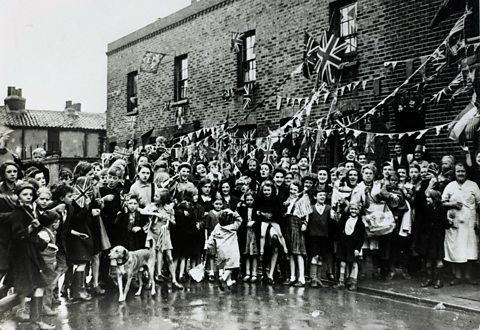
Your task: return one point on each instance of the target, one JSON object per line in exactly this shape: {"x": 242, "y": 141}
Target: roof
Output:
{"x": 52, "y": 119}
{"x": 196, "y": 8}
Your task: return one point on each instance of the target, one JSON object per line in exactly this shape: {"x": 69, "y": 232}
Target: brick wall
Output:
{"x": 387, "y": 30}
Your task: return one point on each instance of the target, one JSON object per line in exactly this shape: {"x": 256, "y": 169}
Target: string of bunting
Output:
{"x": 459, "y": 26}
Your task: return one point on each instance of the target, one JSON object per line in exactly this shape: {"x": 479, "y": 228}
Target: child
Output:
{"x": 430, "y": 245}
{"x": 158, "y": 233}
{"x": 103, "y": 178}
{"x": 298, "y": 208}
{"x": 144, "y": 187}
{"x": 27, "y": 273}
{"x": 210, "y": 222}
{"x": 43, "y": 199}
{"x": 349, "y": 246}
{"x": 267, "y": 208}
{"x": 132, "y": 225}
{"x": 224, "y": 239}
{"x": 188, "y": 217}
{"x": 250, "y": 248}
{"x": 317, "y": 232}
{"x": 50, "y": 220}
{"x": 65, "y": 176}
{"x": 38, "y": 157}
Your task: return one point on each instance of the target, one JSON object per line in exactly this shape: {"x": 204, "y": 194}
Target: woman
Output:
{"x": 323, "y": 183}
{"x": 229, "y": 201}
{"x": 8, "y": 176}
{"x": 461, "y": 198}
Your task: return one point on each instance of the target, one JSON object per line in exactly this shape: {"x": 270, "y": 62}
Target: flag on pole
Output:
{"x": 329, "y": 52}
{"x": 236, "y": 42}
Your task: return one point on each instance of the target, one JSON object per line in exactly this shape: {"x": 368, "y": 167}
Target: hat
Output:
{"x": 184, "y": 164}
{"x": 48, "y": 217}
{"x": 31, "y": 172}
{"x": 25, "y": 185}
{"x": 419, "y": 148}
{"x": 433, "y": 169}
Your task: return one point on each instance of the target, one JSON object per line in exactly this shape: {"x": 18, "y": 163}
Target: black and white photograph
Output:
{"x": 239, "y": 164}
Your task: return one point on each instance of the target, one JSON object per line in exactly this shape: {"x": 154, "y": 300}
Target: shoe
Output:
{"x": 47, "y": 311}
{"x": 177, "y": 285}
{"x": 36, "y": 306}
{"x": 98, "y": 291}
{"x": 299, "y": 284}
{"x": 340, "y": 285}
{"x": 44, "y": 326}
{"x": 438, "y": 284}
{"x": 270, "y": 281}
{"x": 426, "y": 283}
{"x": 330, "y": 276}
{"x": 288, "y": 282}
{"x": 455, "y": 281}
{"x": 222, "y": 284}
{"x": 246, "y": 278}
{"x": 352, "y": 286}
{"x": 253, "y": 279}
{"x": 160, "y": 278}
{"x": 79, "y": 293}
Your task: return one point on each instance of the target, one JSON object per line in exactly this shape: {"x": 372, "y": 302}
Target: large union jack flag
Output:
{"x": 322, "y": 57}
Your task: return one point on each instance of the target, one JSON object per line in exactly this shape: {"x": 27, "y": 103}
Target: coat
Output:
{"x": 6, "y": 208}
{"x": 79, "y": 250}
{"x": 27, "y": 269}
{"x": 224, "y": 240}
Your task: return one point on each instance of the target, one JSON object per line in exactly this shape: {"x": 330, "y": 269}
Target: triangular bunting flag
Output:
{"x": 279, "y": 102}
{"x": 355, "y": 84}
{"x": 325, "y": 96}
{"x": 438, "y": 129}
{"x": 422, "y": 133}
{"x": 364, "y": 84}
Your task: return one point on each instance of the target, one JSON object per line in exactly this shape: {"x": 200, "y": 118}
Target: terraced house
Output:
{"x": 201, "y": 79}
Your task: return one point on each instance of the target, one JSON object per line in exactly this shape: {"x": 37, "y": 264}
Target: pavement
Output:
{"x": 462, "y": 297}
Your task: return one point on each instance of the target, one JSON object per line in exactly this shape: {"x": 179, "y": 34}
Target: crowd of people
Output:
{"x": 284, "y": 223}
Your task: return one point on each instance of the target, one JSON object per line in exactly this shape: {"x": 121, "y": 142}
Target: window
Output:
{"x": 181, "y": 78}
{"x": 348, "y": 26}
{"x": 132, "y": 100}
{"x": 344, "y": 23}
{"x": 247, "y": 59}
{"x": 53, "y": 143}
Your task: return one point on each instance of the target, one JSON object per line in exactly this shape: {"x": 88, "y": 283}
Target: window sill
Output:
{"x": 240, "y": 89}
{"x": 179, "y": 103}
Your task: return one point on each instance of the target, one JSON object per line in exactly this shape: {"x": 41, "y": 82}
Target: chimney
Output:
{"x": 14, "y": 100}
{"x": 72, "y": 109}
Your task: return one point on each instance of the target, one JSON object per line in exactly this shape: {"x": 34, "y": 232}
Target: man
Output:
{"x": 400, "y": 160}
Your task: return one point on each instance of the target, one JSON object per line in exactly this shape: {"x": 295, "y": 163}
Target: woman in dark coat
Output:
{"x": 27, "y": 269}
{"x": 80, "y": 244}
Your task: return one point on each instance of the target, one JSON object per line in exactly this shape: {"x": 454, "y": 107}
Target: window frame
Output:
{"x": 244, "y": 62}
{"x": 335, "y": 19}
{"x": 132, "y": 91}
{"x": 181, "y": 84}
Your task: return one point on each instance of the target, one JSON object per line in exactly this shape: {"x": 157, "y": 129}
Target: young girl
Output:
{"x": 298, "y": 208}
{"x": 210, "y": 222}
{"x": 144, "y": 187}
{"x": 250, "y": 248}
{"x": 188, "y": 218}
{"x": 350, "y": 243}
{"x": 224, "y": 239}
{"x": 28, "y": 273}
{"x": 267, "y": 208}
{"x": 430, "y": 244}
{"x": 158, "y": 233}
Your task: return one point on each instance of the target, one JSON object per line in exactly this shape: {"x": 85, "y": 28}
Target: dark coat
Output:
{"x": 130, "y": 240}
{"x": 27, "y": 269}
{"x": 347, "y": 244}
{"x": 242, "y": 230}
{"x": 80, "y": 250}
{"x": 110, "y": 211}
{"x": 187, "y": 238}
{"x": 6, "y": 208}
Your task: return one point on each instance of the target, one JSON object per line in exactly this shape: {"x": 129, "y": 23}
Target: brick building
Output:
{"x": 199, "y": 65}
{"x": 68, "y": 136}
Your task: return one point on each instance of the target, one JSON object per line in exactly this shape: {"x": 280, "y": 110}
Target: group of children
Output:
{"x": 270, "y": 222}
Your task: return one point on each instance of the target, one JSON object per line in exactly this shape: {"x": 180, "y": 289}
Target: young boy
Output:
{"x": 132, "y": 224}
{"x": 38, "y": 156}
{"x": 210, "y": 222}
{"x": 50, "y": 220}
{"x": 317, "y": 232}
{"x": 65, "y": 176}
{"x": 112, "y": 203}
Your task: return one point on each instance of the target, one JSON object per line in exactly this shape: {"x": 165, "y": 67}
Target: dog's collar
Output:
{"x": 123, "y": 261}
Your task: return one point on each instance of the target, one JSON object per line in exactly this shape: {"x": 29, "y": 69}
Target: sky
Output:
{"x": 55, "y": 49}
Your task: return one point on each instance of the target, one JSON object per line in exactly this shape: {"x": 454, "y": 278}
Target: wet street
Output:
{"x": 203, "y": 306}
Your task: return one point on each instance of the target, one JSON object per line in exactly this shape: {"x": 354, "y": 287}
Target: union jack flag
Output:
{"x": 237, "y": 42}
{"x": 82, "y": 192}
{"x": 321, "y": 57}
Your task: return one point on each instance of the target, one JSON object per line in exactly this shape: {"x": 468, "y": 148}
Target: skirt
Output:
{"x": 251, "y": 247}
{"x": 161, "y": 241}
{"x": 295, "y": 238}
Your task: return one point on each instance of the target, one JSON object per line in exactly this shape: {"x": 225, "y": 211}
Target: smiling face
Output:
{"x": 184, "y": 173}
{"x": 267, "y": 191}
{"x": 303, "y": 164}
{"x": 354, "y": 210}
{"x": 225, "y": 189}
{"x": 307, "y": 184}
{"x": 322, "y": 176}
{"x": 201, "y": 170}
{"x": 295, "y": 169}
{"x": 353, "y": 177}
{"x": 402, "y": 174}
{"x": 278, "y": 179}
{"x": 460, "y": 173}
{"x": 294, "y": 189}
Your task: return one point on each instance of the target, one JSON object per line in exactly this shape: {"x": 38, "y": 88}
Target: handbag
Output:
{"x": 379, "y": 220}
